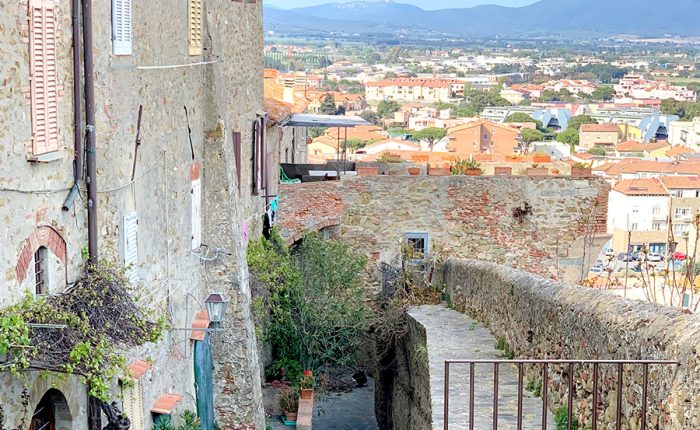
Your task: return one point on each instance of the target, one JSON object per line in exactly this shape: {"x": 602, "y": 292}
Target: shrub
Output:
{"x": 289, "y": 399}
{"x": 460, "y": 167}
{"x": 388, "y": 157}
{"x": 561, "y": 419}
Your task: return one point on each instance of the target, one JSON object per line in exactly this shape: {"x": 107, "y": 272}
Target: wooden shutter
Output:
{"x": 194, "y": 24}
{"x": 121, "y": 27}
{"x": 44, "y": 76}
{"x": 132, "y": 405}
{"x": 237, "y": 156}
{"x": 196, "y": 208}
{"x": 131, "y": 249}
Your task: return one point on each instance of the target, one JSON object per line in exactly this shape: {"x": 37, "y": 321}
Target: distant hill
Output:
{"x": 640, "y": 17}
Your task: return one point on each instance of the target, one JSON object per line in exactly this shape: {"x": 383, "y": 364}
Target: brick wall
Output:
{"x": 465, "y": 216}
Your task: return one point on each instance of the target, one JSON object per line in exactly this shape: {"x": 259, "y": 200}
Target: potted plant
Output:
{"x": 579, "y": 169}
{"x": 307, "y": 385}
{"x": 414, "y": 171}
{"x": 368, "y": 171}
{"x": 289, "y": 404}
{"x": 466, "y": 167}
{"x": 541, "y": 157}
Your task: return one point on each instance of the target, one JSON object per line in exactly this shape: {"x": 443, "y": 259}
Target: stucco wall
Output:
{"x": 465, "y": 216}
{"x": 542, "y": 318}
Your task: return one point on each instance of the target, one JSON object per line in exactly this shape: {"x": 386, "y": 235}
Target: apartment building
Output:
{"x": 591, "y": 135}
{"x": 685, "y": 133}
{"x": 415, "y": 90}
{"x": 639, "y": 88}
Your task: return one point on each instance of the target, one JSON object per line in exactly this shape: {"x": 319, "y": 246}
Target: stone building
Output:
{"x": 180, "y": 207}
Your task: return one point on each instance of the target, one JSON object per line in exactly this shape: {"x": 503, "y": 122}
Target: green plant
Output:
{"x": 190, "y": 421}
{"x": 288, "y": 398}
{"x": 164, "y": 422}
{"x": 307, "y": 380}
{"x": 316, "y": 307}
{"x": 460, "y": 167}
{"x": 388, "y": 157}
{"x": 580, "y": 165}
{"x": 95, "y": 321}
{"x": 284, "y": 369}
{"x": 561, "y": 419}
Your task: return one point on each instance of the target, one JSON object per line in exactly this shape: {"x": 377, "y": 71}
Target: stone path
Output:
{"x": 454, "y": 336}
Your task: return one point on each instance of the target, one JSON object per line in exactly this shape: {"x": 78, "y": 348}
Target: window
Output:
{"x": 635, "y": 226}
{"x": 44, "y": 78}
{"x": 41, "y": 271}
{"x": 121, "y": 27}
{"x": 635, "y": 209}
{"x": 656, "y": 226}
{"x": 682, "y": 213}
{"x": 680, "y": 229}
{"x": 194, "y": 23}
{"x": 416, "y": 247}
{"x": 196, "y": 206}
{"x": 486, "y": 137}
{"x": 656, "y": 210}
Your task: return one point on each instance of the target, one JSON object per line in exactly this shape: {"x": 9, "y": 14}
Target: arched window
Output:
{"x": 41, "y": 271}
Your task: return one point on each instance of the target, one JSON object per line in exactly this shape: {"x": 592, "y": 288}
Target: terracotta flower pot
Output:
{"x": 473, "y": 172}
{"x": 580, "y": 172}
{"x": 414, "y": 171}
{"x": 307, "y": 393}
{"x": 439, "y": 171}
{"x": 503, "y": 171}
{"x": 367, "y": 171}
{"x": 290, "y": 416}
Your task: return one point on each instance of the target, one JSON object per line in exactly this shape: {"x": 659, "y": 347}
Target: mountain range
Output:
{"x": 606, "y": 17}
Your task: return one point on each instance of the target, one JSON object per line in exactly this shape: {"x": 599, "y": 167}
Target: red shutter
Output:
{"x": 44, "y": 76}
{"x": 237, "y": 157}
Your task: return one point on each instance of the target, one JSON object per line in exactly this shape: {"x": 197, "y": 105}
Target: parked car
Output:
{"x": 624, "y": 257}
{"x": 636, "y": 268}
{"x": 608, "y": 252}
{"x": 655, "y": 257}
{"x": 597, "y": 269}
{"x": 679, "y": 256}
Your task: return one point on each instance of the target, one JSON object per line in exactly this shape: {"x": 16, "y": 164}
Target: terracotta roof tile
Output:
{"x": 641, "y": 187}
{"x": 139, "y": 368}
{"x": 591, "y": 128}
{"x": 681, "y": 182}
{"x": 201, "y": 321}
{"x": 166, "y": 403}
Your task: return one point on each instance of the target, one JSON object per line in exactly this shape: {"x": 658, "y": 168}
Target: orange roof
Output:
{"x": 631, "y": 146}
{"x": 679, "y": 150}
{"x": 200, "y": 324}
{"x": 166, "y": 403}
{"x": 363, "y": 132}
{"x": 139, "y": 368}
{"x": 591, "y": 128}
{"x": 641, "y": 187}
{"x": 681, "y": 182}
{"x": 479, "y": 123}
{"x": 277, "y": 107}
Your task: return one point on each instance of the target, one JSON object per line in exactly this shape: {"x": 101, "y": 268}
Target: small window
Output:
{"x": 194, "y": 18}
{"x": 41, "y": 266}
{"x": 121, "y": 27}
{"x": 416, "y": 248}
{"x": 635, "y": 226}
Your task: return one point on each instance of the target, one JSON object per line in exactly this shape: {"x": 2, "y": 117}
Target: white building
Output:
{"x": 685, "y": 133}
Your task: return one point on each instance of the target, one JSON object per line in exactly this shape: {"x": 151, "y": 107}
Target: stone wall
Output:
{"x": 402, "y": 382}
{"x": 540, "y": 318}
{"x": 470, "y": 217}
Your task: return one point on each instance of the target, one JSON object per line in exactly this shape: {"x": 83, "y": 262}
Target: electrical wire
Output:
{"x": 20, "y": 191}
{"x": 176, "y": 66}
{"x": 160, "y": 156}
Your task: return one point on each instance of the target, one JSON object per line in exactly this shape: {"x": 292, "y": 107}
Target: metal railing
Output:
{"x": 620, "y": 364}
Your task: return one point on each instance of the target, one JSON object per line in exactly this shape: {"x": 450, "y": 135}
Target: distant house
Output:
{"x": 415, "y": 90}
{"x": 646, "y": 150}
{"x": 348, "y": 102}
{"x": 685, "y": 133}
{"x": 482, "y": 137}
{"x": 591, "y": 135}
{"x": 388, "y": 145}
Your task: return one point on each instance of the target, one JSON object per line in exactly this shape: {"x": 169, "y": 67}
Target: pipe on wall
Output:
{"x": 77, "y": 106}
{"x": 91, "y": 156}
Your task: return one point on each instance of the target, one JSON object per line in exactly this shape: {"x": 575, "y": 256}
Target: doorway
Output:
{"x": 51, "y": 413}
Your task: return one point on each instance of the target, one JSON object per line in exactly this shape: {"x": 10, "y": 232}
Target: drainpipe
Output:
{"x": 90, "y": 130}
{"x": 77, "y": 115}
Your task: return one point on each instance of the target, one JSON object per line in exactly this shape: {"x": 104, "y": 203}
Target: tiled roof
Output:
{"x": 631, "y": 146}
{"x": 166, "y": 403}
{"x": 641, "y": 187}
{"x": 679, "y": 150}
{"x": 139, "y": 368}
{"x": 591, "y": 128}
{"x": 201, "y": 322}
{"x": 479, "y": 123}
{"x": 430, "y": 83}
{"x": 681, "y": 182}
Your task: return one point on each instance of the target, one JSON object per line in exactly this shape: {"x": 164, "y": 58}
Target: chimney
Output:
{"x": 289, "y": 90}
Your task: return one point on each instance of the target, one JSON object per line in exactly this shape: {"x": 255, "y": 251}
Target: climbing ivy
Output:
{"x": 81, "y": 331}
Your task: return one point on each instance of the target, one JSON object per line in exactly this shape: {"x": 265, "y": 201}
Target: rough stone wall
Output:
{"x": 220, "y": 98}
{"x": 465, "y": 216}
{"x": 540, "y": 318}
{"x": 402, "y": 397}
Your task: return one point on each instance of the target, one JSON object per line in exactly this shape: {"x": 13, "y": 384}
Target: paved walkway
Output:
{"x": 452, "y": 335}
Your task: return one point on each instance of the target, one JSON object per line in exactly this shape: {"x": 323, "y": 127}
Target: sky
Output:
{"x": 425, "y": 4}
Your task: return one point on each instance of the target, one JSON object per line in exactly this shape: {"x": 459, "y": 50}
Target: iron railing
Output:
{"x": 620, "y": 364}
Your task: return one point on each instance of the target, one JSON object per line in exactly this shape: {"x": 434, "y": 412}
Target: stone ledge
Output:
{"x": 305, "y": 414}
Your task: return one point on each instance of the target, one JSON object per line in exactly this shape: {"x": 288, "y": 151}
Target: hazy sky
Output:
{"x": 425, "y": 4}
